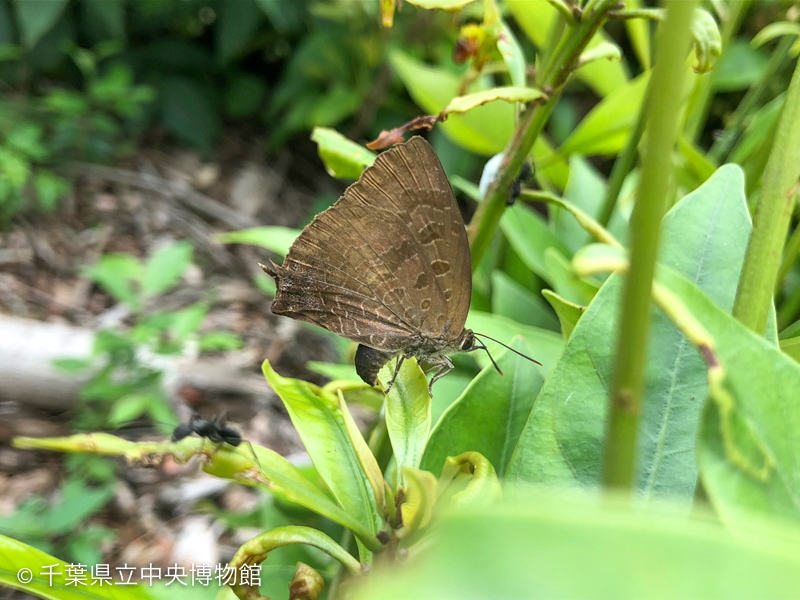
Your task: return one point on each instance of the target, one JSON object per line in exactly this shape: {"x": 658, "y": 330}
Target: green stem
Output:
{"x": 738, "y": 121}
{"x": 699, "y": 115}
{"x": 554, "y": 76}
{"x": 772, "y": 216}
{"x": 623, "y": 165}
{"x": 589, "y": 225}
{"x": 663, "y": 121}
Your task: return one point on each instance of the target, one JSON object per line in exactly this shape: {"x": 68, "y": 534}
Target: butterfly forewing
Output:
{"x": 388, "y": 264}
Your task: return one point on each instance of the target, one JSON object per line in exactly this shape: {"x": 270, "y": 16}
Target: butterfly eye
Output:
{"x": 469, "y": 341}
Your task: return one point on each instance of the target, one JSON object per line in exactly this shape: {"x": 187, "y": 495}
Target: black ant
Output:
{"x": 215, "y": 430}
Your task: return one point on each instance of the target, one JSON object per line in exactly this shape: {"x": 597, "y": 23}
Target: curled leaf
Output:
{"x": 462, "y": 104}
{"x": 306, "y": 584}
{"x": 706, "y": 39}
{"x": 395, "y": 136}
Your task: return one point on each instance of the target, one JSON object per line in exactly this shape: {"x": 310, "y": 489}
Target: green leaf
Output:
{"x": 342, "y": 157}
{"x": 115, "y": 274}
{"x": 37, "y": 17}
{"x": 568, "y": 312}
{"x": 449, "y": 5}
{"x": 704, "y": 237}
{"x": 490, "y": 414}
{"x": 16, "y": 557}
{"x": 50, "y": 188}
{"x": 420, "y": 497}
{"x": 111, "y": 13}
{"x": 537, "y": 18}
{"x": 408, "y": 412}
{"x": 707, "y": 40}
{"x": 512, "y": 55}
{"x": 775, "y": 30}
{"x": 220, "y": 340}
{"x": 740, "y": 67}
{"x": 545, "y": 547}
{"x": 469, "y": 102}
{"x": 512, "y": 300}
{"x": 483, "y": 130}
{"x": 565, "y": 281}
{"x": 244, "y": 96}
{"x": 235, "y": 29}
{"x": 365, "y": 456}
{"x": 639, "y": 35}
{"x": 321, "y": 425}
{"x": 585, "y": 190}
{"x": 130, "y": 407}
{"x": 547, "y": 345}
{"x": 189, "y": 112}
{"x": 72, "y": 365}
{"x": 530, "y": 237}
{"x": 274, "y": 238}
{"x": 602, "y": 51}
{"x": 165, "y": 268}
{"x": 605, "y": 129}
{"x": 187, "y": 321}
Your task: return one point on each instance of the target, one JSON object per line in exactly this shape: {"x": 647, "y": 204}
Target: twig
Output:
{"x": 179, "y": 191}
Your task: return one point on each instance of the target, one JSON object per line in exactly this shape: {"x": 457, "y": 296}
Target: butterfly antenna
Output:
{"x": 489, "y": 354}
{"x": 505, "y": 346}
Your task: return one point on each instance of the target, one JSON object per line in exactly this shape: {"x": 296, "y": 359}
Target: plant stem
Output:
{"x": 663, "y": 114}
{"x": 737, "y": 122}
{"x": 772, "y": 216}
{"x": 554, "y": 76}
{"x": 623, "y": 164}
{"x": 706, "y": 93}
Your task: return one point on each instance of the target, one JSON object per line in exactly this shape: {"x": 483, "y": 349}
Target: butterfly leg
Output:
{"x": 445, "y": 366}
{"x": 398, "y": 364}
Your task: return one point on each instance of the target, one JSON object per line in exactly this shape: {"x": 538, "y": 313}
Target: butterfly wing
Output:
{"x": 389, "y": 263}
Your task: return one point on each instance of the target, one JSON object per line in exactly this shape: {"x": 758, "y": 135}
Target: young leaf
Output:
{"x": 490, "y": 414}
{"x": 408, "y": 411}
{"x": 342, "y": 157}
{"x": 165, "y": 268}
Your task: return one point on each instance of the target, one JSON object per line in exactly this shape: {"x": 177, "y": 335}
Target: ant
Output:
{"x": 217, "y": 430}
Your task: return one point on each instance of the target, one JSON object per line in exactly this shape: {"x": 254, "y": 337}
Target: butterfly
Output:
{"x": 387, "y": 266}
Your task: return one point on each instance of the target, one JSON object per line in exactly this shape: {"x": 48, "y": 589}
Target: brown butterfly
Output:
{"x": 387, "y": 266}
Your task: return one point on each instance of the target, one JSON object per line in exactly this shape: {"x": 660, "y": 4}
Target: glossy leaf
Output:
{"x": 322, "y": 428}
{"x": 342, "y": 157}
{"x": 547, "y": 548}
{"x": 365, "y": 456}
{"x": 490, "y": 414}
{"x": 408, "y": 411}
{"x": 605, "y": 129}
{"x": 274, "y": 238}
{"x": 585, "y": 190}
{"x": 512, "y": 55}
{"x": 565, "y": 282}
{"x": 468, "y": 479}
{"x": 512, "y": 300}
{"x": 704, "y": 237}
{"x": 420, "y": 496}
{"x": 16, "y": 557}
{"x": 469, "y": 102}
{"x": 530, "y": 237}
{"x": 568, "y": 312}
{"x": 450, "y": 5}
